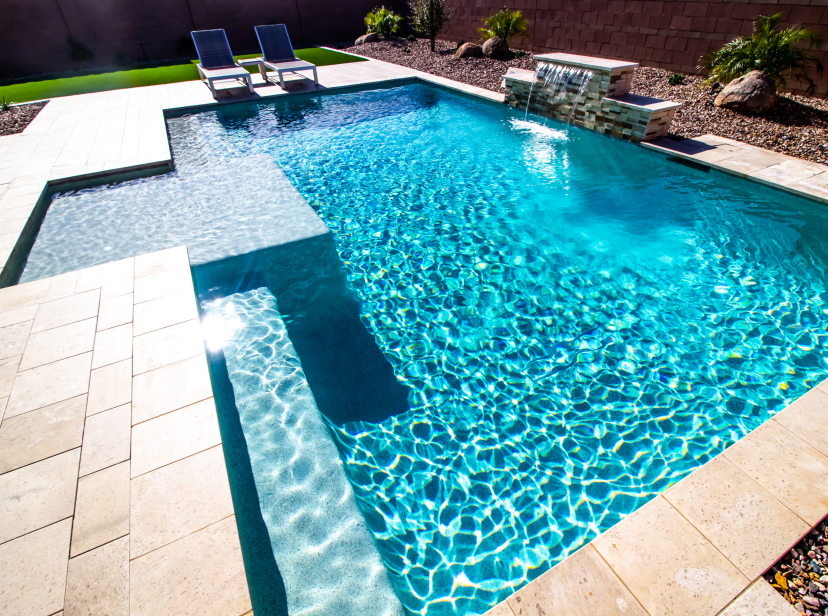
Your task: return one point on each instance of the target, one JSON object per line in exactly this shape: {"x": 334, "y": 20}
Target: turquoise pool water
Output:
{"x": 517, "y": 334}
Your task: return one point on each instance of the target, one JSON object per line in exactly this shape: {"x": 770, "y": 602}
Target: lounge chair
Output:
{"x": 277, "y": 53}
{"x": 217, "y": 63}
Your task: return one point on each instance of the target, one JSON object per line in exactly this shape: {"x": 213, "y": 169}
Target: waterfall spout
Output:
{"x": 560, "y": 84}
{"x": 542, "y": 66}
{"x": 591, "y": 93}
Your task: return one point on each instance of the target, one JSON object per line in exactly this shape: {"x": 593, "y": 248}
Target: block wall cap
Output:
{"x": 592, "y": 63}
{"x": 635, "y": 101}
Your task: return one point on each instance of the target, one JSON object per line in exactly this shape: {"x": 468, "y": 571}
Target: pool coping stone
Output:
{"x": 793, "y": 175}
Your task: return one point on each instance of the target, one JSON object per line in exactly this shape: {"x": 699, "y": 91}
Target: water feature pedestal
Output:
{"x": 605, "y": 104}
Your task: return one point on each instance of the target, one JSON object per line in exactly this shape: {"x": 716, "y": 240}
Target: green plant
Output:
{"x": 79, "y": 52}
{"x": 429, "y": 17}
{"x": 4, "y": 104}
{"x": 383, "y": 22}
{"x": 505, "y": 24}
{"x": 769, "y": 49}
{"x": 676, "y": 79}
{"x": 520, "y": 54}
{"x": 406, "y": 50}
{"x": 411, "y": 38}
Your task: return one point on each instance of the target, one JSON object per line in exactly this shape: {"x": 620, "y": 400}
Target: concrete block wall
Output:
{"x": 33, "y": 33}
{"x": 671, "y": 34}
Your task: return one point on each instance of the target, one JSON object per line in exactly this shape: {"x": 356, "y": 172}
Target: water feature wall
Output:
{"x": 589, "y": 92}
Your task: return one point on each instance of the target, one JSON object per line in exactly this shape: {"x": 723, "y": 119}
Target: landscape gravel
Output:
{"x": 797, "y": 127}
{"x": 18, "y": 117}
{"x": 482, "y": 72}
{"x": 801, "y": 576}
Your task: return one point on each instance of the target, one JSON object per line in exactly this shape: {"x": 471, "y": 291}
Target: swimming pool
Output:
{"x": 515, "y": 334}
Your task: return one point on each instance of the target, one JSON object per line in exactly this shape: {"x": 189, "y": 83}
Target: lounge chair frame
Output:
{"x": 217, "y": 64}
{"x": 278, "y": 54}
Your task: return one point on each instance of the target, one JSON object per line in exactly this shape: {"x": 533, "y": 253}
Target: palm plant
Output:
{"x": 383, "y": 22}
{"x": 429, "y": 17}
{"x": 505, "y": 24}
{"x": 769, "y": 49}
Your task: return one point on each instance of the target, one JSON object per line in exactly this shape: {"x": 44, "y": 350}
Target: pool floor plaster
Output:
{"x": 130, "y": 508}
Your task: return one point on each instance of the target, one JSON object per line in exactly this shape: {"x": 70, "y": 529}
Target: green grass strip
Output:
{"x": 149, "y": 76}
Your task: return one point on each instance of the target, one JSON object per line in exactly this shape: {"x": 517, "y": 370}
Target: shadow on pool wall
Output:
{"x": 264, "y": 580}
{"x": 351, "y": 380}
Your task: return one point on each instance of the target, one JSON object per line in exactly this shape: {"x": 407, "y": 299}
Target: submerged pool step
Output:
{"x": 321, "y": 544}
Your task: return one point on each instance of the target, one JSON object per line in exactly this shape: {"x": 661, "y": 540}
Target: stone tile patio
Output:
{"x": 113, "y": 490}
{"x": 114, "y": 496}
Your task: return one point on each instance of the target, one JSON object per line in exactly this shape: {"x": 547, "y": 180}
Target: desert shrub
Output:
{"x": 383, "y": 22}
{"x": 770, "y": 49}
{"x": 429, "y": 17}
{"x": 411, "y": 38}
{"x": 676, "y": 79}
{"x": 5, "y": 105}
{"x": 505, "y": 24}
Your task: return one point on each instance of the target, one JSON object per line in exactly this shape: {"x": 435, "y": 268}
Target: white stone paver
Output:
{"x": 161, "y": 533}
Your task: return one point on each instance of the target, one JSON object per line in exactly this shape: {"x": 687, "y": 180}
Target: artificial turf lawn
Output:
{"x": 150, "y": 76}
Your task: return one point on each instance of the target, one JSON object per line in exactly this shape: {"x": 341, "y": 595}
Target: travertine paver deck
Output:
{"x": 114, "y": 496}
{"x": 109, "y": 443}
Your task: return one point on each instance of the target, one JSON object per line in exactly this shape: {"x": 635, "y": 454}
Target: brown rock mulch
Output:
{"x": 18, "y": 117}
{"x": 797, "y": 127}
{"x": 482, "y": 72}
{"x": 801, "y": 576}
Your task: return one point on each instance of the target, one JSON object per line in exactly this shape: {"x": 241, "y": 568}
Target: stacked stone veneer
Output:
{"x": 606, "y": 106}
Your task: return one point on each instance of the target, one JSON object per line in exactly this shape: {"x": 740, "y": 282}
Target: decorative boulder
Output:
{"x": 495, "y": 47}
{"x": 367, "y": 38}
{"x": 751, "y": 93}
{"x": 469, "y": 50}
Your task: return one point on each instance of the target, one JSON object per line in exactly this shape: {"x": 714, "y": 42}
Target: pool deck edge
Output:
{"x": 702, "y": 546}
{"x": 793, "y": 175}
